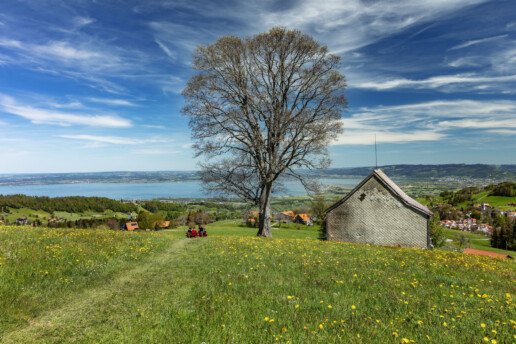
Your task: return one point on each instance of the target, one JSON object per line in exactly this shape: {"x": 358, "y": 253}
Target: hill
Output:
{"x": 477, "y": 171}
{"x": 103, "y": 286}
{"x": 499, "y": 172}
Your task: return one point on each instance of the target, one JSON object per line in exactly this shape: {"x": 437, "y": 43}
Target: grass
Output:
{"x": 232, "y": 287}
{"x": 42, "y": 215}
{"x": 478, "y": 241}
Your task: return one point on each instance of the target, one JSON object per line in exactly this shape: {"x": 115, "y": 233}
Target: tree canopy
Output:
{"x": 262, "y": 107}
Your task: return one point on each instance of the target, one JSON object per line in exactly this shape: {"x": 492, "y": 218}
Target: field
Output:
{"x": 478, "y": 241}
{"x": 86, "y": 286}
{"x": 42, "y": 215}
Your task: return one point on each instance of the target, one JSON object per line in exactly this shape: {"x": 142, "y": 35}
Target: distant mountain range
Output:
{"x": 417, "y": 172}
{"x": 483, "y": 171}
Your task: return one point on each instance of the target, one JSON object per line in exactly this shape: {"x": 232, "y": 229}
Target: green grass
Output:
{"x": 159, "y": 288}
{"x": 30, "y": 213}
{"x": 478, "y": 241}
{"x": 237, "y": 228}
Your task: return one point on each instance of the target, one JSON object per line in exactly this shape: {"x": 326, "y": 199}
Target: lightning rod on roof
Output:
{"x": 375, "y": 152}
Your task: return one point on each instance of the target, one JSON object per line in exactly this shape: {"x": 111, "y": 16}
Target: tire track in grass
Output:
{"x": 80, "y": 320}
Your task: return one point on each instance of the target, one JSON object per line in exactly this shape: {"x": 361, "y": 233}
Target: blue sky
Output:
{"x": 95, "y": 85}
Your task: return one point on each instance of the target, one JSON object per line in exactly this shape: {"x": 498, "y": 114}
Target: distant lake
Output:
{"x": 190, "y": 189}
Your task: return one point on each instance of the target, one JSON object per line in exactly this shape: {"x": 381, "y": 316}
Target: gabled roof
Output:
{"x": 288, "y": 213}
{"x": 390, "y": 185}
{"x": 486, "y": 253}
{"x": 131, "y": 226}
{"x": 304, "y": 217}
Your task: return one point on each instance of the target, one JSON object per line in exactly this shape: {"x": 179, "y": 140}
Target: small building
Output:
{"x": 303, "y": 219}
{"x": 131, "y": 226}
{"x": 21, "y": 221}
{"x": 378, "y": 212}
{"x": 285, "y": 216}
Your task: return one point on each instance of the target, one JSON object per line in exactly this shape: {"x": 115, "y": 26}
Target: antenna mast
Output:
{"x": 375, "y": 152}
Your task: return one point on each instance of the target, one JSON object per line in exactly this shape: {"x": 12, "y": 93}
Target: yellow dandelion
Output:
{"x": 320, "y": 326}
{"x": 483, "y": 325}
{"x": 353, "y": 307}
{"x": 266, "y": 318}
{"x": 329, "y": 306}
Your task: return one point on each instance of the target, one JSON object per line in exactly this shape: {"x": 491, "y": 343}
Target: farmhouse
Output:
{"x": 131, "y": 226}
{"x": 304, "y": 219}
{"x": 378, "y": 212}
{"x": 285, "y": 216}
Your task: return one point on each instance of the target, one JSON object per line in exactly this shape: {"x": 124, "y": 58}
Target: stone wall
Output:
{"x": 374, "y": 215}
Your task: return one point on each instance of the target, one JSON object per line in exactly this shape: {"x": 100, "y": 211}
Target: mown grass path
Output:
{"x": 96, "y": 314}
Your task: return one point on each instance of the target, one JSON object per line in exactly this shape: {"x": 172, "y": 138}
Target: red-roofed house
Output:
{"x": 131, "y": 226}
{"x": 303, "y": 219}
{"x": 486, "y": 253}
{"x": 285, "y": 216}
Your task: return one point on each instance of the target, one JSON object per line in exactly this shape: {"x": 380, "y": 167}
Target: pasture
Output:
{"x": 86, "y": 286}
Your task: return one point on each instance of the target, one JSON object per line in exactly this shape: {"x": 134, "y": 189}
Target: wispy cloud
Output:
{"x": 118, "y": 140}
{"x": 155, "y": 151}
{"x": 436, "y": 81}
{"x": 367, "y": 138}
{"x": 154, "y": 126}
{"x": 52, "y": 117}
{"x": 167, "y": 51}
{"x": 114, "y": 102}
{"x": 428, "y": 121}
{"x": 477, "y": 41}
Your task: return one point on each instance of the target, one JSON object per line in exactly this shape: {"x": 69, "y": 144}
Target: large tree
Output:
{"x": 263, "y": 107}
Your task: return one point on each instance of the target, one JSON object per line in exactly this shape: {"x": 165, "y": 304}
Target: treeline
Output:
{"x": 155, "y": 206}
{"x": 507, "y": 189}
{"x": 504, "y": 237}
{"x": 72, "y": 204}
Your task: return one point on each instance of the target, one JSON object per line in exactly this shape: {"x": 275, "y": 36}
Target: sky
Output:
{"x": 91, "y": 86}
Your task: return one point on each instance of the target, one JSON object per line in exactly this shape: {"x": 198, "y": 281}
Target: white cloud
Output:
{"x": 503, "y": 131}
{"x": 468, "y": 61}
{"x": 477, "y": 41}
{"x": 155, "y": 152}
{"x": 52, "y": 117}
{"x": 428, "y": 121}
{"x": 479, "y": 123}
{"x": 351, "y": 24}
{"x": 154, "y": 126}
{"x": 113, "y": 139}
{"x": 167, "y": 51}
{"x": 104, "y": 139}
{"x": 367, "y": 138}
{"x": 82, "y": 21}
{"x": 435, "y": 82}
{"x": 115, "y": 102}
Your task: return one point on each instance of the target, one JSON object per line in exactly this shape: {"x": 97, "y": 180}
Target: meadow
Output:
{"x": 85, "y": 286}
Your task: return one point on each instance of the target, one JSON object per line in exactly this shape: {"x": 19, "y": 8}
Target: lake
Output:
{"x": 191, "y": 189}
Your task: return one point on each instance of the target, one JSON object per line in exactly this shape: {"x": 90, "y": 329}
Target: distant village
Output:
{"x": 468, "y": 224}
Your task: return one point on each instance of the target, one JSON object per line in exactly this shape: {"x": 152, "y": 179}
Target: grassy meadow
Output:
{"x": 93, "y": 286}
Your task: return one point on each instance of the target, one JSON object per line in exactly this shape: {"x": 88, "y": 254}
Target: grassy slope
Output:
{"x": 478, "y": 241}
{"x": 155, "y": 287}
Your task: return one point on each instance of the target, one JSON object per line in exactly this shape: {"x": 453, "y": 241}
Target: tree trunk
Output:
{"x": 264, "y": 222}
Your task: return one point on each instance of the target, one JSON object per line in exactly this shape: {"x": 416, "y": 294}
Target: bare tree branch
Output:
{"x": 260, "y": 108}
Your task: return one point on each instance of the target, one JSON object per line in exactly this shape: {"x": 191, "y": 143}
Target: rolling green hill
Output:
{"x": 83, "y": 286}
